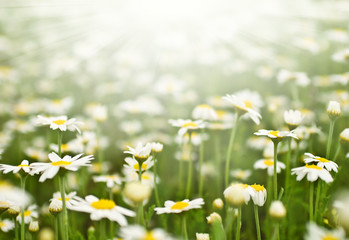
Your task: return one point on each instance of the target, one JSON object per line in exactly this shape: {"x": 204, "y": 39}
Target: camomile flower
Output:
{"x": 181, "y": 206}
{"x": 293, "y": 118}
{"x": 315, "y": 232}
{"x": 5, "y": 168}
{"x": 140, "y": 152}
{"x": 156, "y": 147}
{"x": 321, "y": 162}
{"x": 269, "y": 165}
{"x": 204, "y": 112}
{"x": 258, "y": 194}
{"x": 202, "y": 236}
{"x": 241, "y": 174}
{"x": 341, "y": 56}
{"x": 6, "y": 225}
{"x": 61, "y": 122}
{"x": 49, "y": 170}
{"x": 134, "y": 165}
{"x": 70, "y": 198}
{"x": 147, "y": 177}
{"x": 313, "y": 172}
{"x": 273, "y": 135}
{"x": 97, "y": 112}
{"x": 103, "y": 208}
{"x": 245, "y": 106}
{"x": 187, "y": 125}
{"x": 29, "y": 215}
{"x": 110, "y": 180}
{"x": 236, "y": 194}
{"x": 135, "y": 232}
{"x": 300, "y": 78}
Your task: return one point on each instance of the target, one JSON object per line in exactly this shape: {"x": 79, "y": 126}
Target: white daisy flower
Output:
{"x": 321, "y": 162}
{"x": 344, "y": 135}
{"x": 103, "y": 208}
{"x": 5, "y": 168}
{"x": 147, "y": 177}
{"x": 140, "y": 152}
{"x": 61, "y": 122}
{"x": 135, "y": 232}
{"x": 341, "y": 56}
{"x": 70, "y": 198}
{"x": 244, "y": 106}
{"x": 49, "y": 170}
{"x": 313, "y": 172}
{"x": 314, "y": 232}
{"x": 134, "y": 165}
{"x": 110, "y": 180}
{"x": 204, "y": 112}
{"x": 334, "y": 108}
{"x": 97, "y": 112}
{"x": 187, "y": 125}
{"x": 156, "y": 147}
{"x": 29, "y": 215}
{"x": 300, "y": 78}
{"x": 241, "y": 174}
{"x": 258, "y": 194}
{"x": 202, "y": 236}
{"x": 269, "y": 165}
{"x": 275, "y": 134}
{"x": 236, "y": 194}
{"x": 6, "y": 225}
{"x": 293, "y": 118}
{"x": 181, "y": 206}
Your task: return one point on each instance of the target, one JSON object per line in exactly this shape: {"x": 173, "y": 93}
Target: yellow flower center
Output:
{"x": 204, "y": 106}
{"x": 64, "y": 147}
{"x": 59, "y": 122}
{"x": 136, "y": 166}
{"x": 248, "y": 104}
{"x": 329, "y": 237}
{"x": 27, "y": 213}
{"x": 141, "y": 156}
{"x": 23, "y": 165}
{"x": 145, "y": 177}
{"x": 190, "y": 124}
{"x": 179, "y": 205}
{"x": 257, "y": 187}
{"x": 322, "y": 159}
{"x": 240, "y": 174}
{"x": 66, "y": 199}
{"x": 57, "y": 101}
{"x": 244, "y": 185}
{"x": 274, "y": 133}
{"x": 103, "y": 204}
{"x": 269, "y": 162}
{"x": 61, "y": 163}
{"x": 313, "y": 166}
{"x": 2, "y": 224}
{"x": 149, "y": 236}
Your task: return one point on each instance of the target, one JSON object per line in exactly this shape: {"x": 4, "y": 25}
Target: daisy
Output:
{"x": 61, "y": 122}
{"x": 341, "y": 56}
{"x": 236, "y": 194}
{"x": 313, "y": 172}
{"x": 147, "y": 177}
{"x": 135, "y": 232}
{"x": 70, "y": 198}
{"x": 6, "y": 225}
{"x": 258, "y": 194}
{"x": 300, "y": 78}
{"x": 97, "y": 111}
{"x": 140, "y": 152}
{"x": 110, "y": 180}
{"x": 187, "y": 125}
{"x": 181, "y": 206}
{"x": 15, "y": 169}
{"x": 241, "y": 174}
{"x": 134, "y": 165}
{"x": 245, "y": 106}
{"x": 103, "y": 208}
{"x": 204, "y": 112}
{"x": 314, "y": 232}
{"x": 29, "y": 215}
{"x": 322, "y": 162}
{"x": 275, "y": 134}
{"x": 293, "y": 118}
{"x": 344, "y": 135}
{"x": 269, "y": 165}
{"x": 49, "y": 170}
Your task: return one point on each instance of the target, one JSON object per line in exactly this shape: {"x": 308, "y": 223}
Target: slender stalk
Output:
{"x": 238, "y": 225}
{"x": 230, "y": 149}
{"x": 140, "y": 204}
{"x": 229, "y": 222}
{"x": 184, "y": 227}
{"x": 329, "y": 140}
{"x": 190, "y": 169}
{"x": 157, "y": 199}
{"x": 317, "y": 200}
{"x": 65, "y": 226}
{"x": 218, "y": 162}
{"x": 56, "y": 227}
{"x": 311, "y": 199}
{"x": 111, "y": 223}
{"x": 102, "y": 229}
{"x": 275, "y": 168}
{"x": 257, "y": 222}
{"x": 269, "y": 188}
{"x": 337, "y": 152}
{"x": 23, "y": 180}
{"x": 276, "y": 232}
{"x": 288, "y": 169}
{"x": 201, "y": 162}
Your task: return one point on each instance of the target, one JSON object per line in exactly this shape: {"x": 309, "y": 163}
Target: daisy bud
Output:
{"x": 293, "y": 118}
{"x": 277, "y": 210}
{"x": 334, "y": 109}
{"x": 235, "y": 195}
{"x": 4, "y": 206}
{"x": 46, "y": 234}
{"x": 34, "y": 226}
{"x": 202, "y": 236}
{"x": 55, "y": 207}
{"x": 218, "y": 204}
{"x": 14, "y": 210}
{"x": 213, "y": 218}
{"x": 137, "y": 191}
{"x": 156, "y": 147}
{"x": 344, "y": 135}
{"x": 341, "y": 205}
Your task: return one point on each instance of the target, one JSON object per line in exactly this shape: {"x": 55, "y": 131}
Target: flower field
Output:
{"x": 174, "y": 120}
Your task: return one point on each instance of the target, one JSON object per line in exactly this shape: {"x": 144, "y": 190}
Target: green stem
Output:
{"x": 238, "y": 225}
{"x": 140, "y": 204}
{"x": 276, "y": 232}
{"x": 218, "y": 162}
{"x": 229, "y": 222}
{"x": 257, "y": 222}
{"x": 288, "y": 169}
{"x": 201, "y": 162}
{"x": 311, "y": 199}
{"x": 317, "y": 200}
{"x": 157, "y": 199}
{"x": 23, "y": 180}
{"x": 102, "y": 229}
{"x": 56, "y": 227}
{"x": 65, "y": 226}
{"x": 230, "y": 149}
{"x": 190, "y": 169}
{"x": 269, "y": 188}
{"x": 329, "y": 140}
{"x": 184, "y": 227}
{"x": 337, "y": 152}
{"x": 275, "y": 173}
